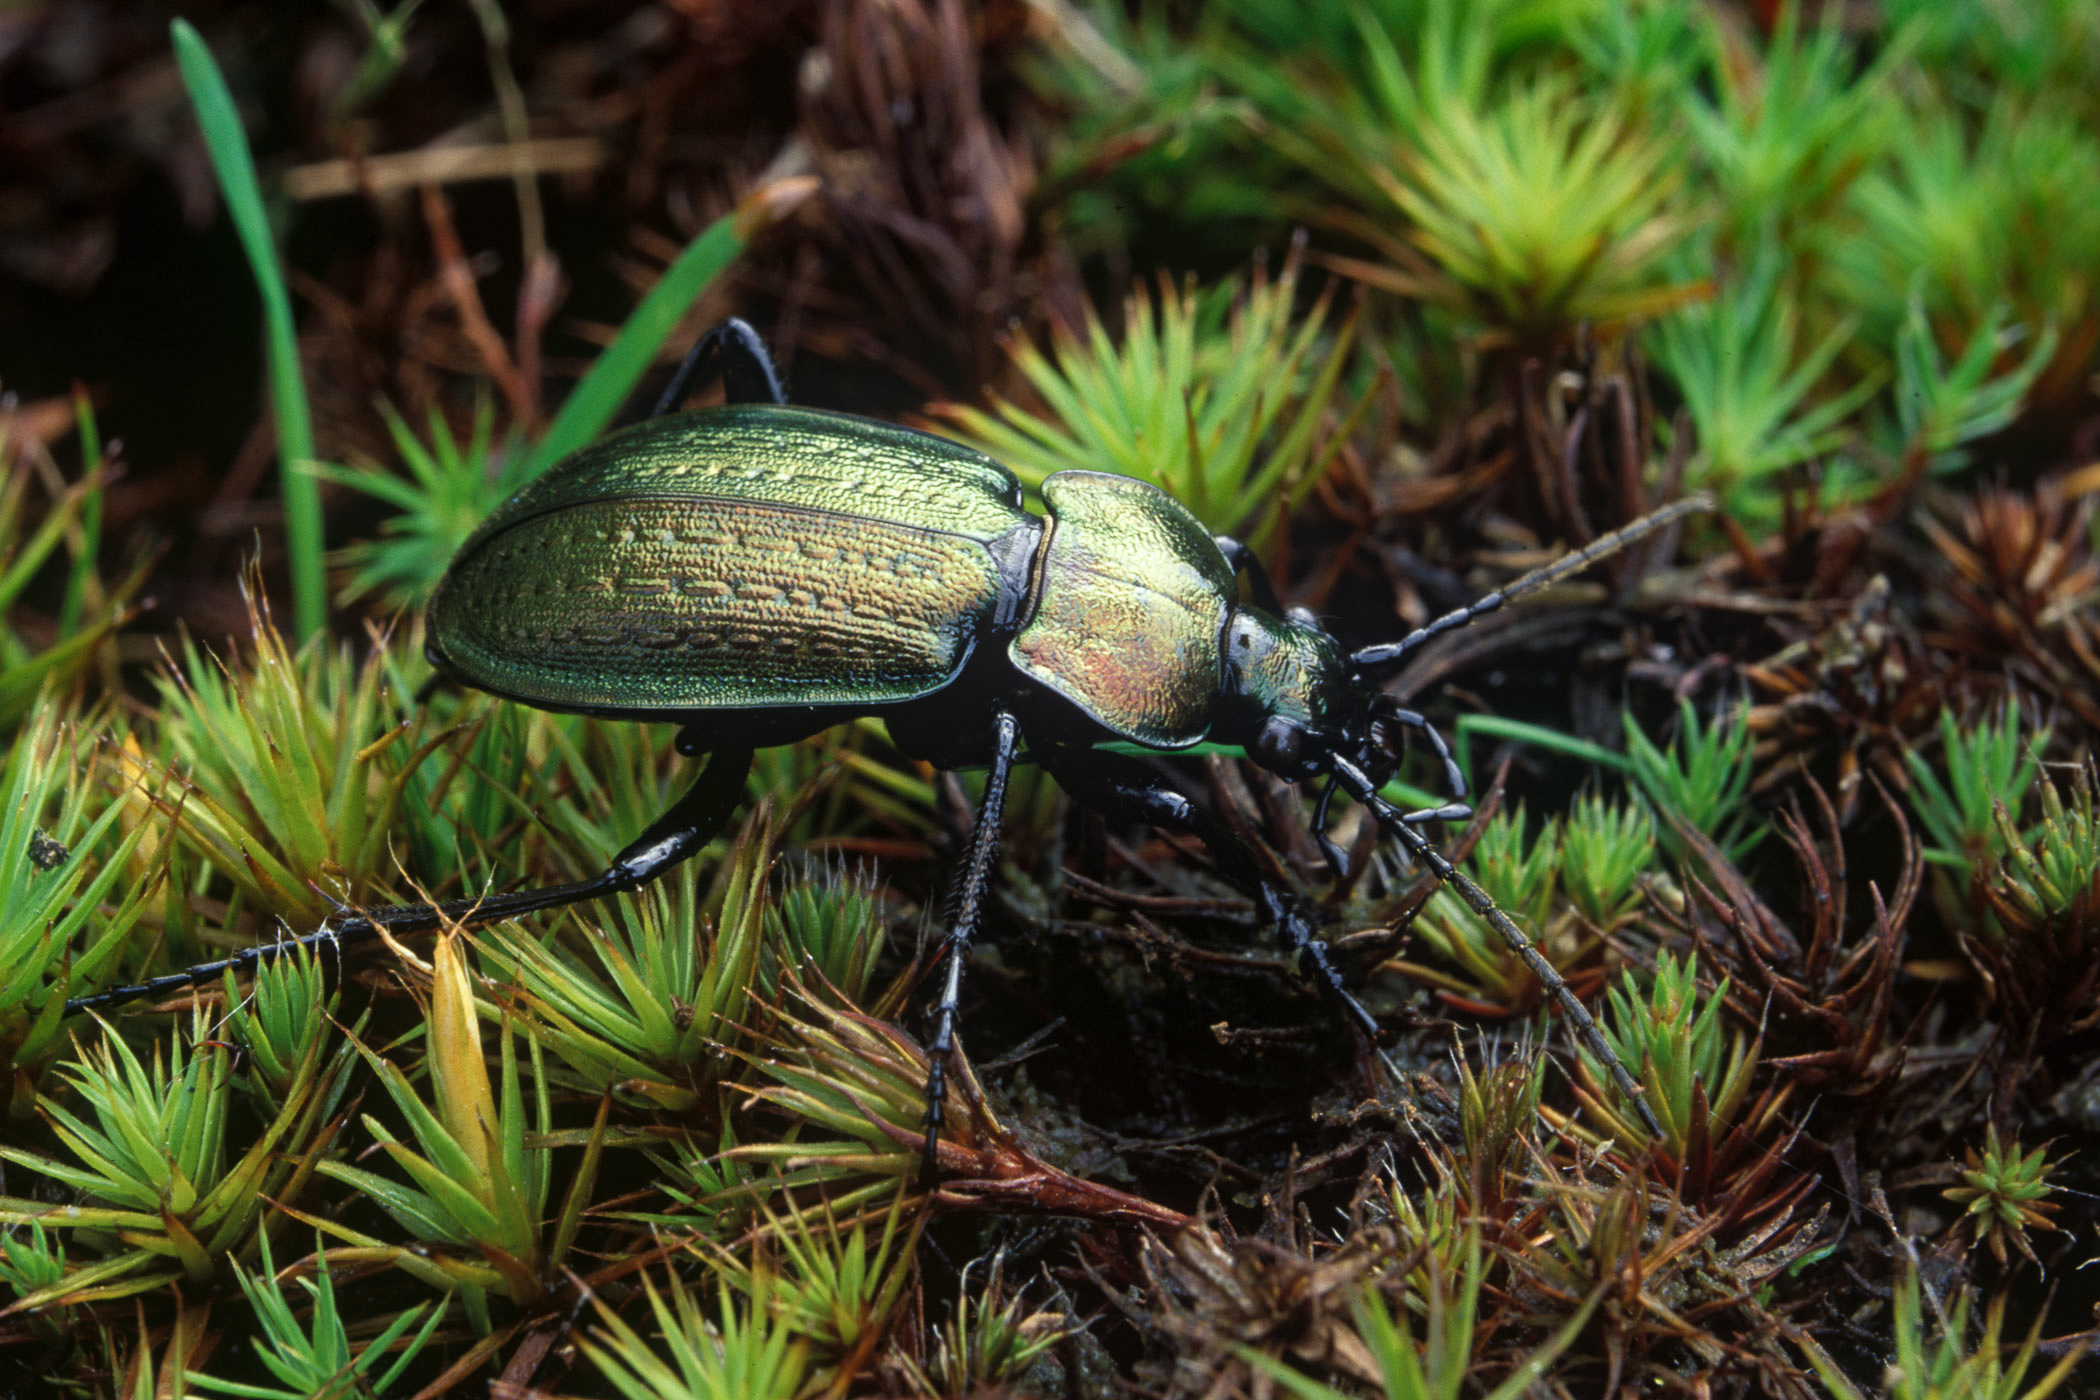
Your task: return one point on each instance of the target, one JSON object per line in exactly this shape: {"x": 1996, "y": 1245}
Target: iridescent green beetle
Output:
{"x": 757, "y": 573}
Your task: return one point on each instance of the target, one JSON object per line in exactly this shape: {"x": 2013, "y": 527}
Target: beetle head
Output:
{"x": 1302, "y": 701}
{"x": 1297, "y": 701}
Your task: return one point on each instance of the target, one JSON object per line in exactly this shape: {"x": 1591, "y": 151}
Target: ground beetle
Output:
{"x": 756, "y": 573}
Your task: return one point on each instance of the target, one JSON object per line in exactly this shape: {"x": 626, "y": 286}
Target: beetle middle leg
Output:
{"x": 969, "y": 908}
{"x": 1457, "y": 809}
{"x": 676, "y": 836}
{"x": 1125, "y": 788}
{"x": 735, "y": 351}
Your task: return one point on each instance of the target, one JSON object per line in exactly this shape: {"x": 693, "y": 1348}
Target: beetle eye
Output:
{"x": 1276, "y": 747}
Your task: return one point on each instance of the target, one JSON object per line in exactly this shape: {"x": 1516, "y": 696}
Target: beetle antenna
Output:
{"x": 1388, "y": 654}
{"x": 1359, "y": 786}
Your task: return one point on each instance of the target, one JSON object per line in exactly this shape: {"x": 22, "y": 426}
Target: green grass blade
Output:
{"x": 235, "y": 168}
{"x": 1496, "y": 727}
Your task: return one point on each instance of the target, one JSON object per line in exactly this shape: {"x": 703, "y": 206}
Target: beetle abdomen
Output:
{"x": 1132, "y": 596}
{"x": 732, "y": 559}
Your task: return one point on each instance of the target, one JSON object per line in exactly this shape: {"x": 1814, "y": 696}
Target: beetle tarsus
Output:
{"x": 1295, "y": 931}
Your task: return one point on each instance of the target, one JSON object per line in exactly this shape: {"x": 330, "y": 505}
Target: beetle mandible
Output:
{"x": 757, "y": 573}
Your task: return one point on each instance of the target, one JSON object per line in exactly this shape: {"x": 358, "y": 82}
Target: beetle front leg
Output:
{"x": 1244, "y": 563}
{"x": 969, "y": 908}
{"x": 1457, "y": 810}
{"x": 1124, "y": 788}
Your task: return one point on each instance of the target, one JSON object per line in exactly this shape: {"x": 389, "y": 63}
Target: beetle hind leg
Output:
{"x": 679, "y": 833}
